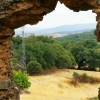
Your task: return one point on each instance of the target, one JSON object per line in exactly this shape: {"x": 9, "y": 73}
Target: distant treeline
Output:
{"x": 79, "y": 36}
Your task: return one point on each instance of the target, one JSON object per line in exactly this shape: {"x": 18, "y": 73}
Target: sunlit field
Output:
{"x": 56, "y": 86}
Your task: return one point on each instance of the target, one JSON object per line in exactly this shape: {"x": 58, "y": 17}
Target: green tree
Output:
{"x": 49, "y": 56}
{"x": 64, "y": 58}
{"x": 16, "y": 41}
{"x": 45, "y": 50}
{"x": 76, "y": 51}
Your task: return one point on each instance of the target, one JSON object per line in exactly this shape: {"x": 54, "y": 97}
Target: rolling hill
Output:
{"x": 68, "y": 28}
{"x": 61, "y": 29}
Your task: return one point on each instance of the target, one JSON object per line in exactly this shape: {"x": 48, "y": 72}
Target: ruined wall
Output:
{"x": 21, "y": 12}
{"x": 16, "y": 13}
{"x": 7, "y": 88}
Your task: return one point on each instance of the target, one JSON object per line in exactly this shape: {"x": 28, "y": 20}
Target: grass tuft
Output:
{"x": 83, "y": 78}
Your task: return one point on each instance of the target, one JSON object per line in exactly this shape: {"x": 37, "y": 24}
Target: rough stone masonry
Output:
{"x": 16, "y": 13}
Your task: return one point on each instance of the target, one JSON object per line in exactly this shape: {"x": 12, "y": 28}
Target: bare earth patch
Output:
{"x": 55, "y": 86}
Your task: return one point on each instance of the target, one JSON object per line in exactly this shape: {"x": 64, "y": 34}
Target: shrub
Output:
{"x": 34, "y": 68}
{"x": 84, "y": 78}
{"x": 21, "y": 78}
{"x": 74, "y": 82}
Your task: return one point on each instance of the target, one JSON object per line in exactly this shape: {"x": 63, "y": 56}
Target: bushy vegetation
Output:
{"x": 79, "y": 36}
{"x": 21, "y": 78}
{"x": 84, "y": 78}
{"x": 34, "y": 68}
{"x": 85, "y": 49}
{"x": 47, "y": 51}
{"x": 51, "y": 52}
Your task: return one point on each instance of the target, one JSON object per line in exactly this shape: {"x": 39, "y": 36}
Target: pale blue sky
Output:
{"x": 63, "y": 16}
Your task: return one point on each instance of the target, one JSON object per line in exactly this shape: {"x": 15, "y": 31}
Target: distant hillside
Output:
{"x": 79, "y": 36}
{"x": 69, "y": 28}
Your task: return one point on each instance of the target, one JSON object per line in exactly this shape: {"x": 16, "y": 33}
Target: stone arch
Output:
{"x": 16, "y": 13}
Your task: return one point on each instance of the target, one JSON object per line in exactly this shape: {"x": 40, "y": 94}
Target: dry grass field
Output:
{"x": 55, "y": 86}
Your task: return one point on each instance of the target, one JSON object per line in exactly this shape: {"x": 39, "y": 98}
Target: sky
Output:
{"x": 62, "y": 16}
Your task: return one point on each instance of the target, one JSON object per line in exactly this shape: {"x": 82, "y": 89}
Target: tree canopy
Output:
{"x": 50, "y": 52}
{"x": 47, "y": 51}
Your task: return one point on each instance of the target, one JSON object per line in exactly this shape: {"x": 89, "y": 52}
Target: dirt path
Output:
{"x": 55, "y": 86}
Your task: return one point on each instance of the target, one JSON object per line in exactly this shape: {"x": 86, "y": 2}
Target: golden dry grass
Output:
{"x": 55, "y": 86}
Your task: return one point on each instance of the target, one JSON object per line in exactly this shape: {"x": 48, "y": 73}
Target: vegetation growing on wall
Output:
{"x": 21, "y": 78}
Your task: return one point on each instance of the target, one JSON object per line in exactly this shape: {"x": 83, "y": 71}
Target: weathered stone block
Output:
{"x": 4, "y": 84}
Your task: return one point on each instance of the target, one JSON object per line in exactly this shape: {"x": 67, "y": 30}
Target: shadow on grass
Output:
{"x": 94, "y": 98}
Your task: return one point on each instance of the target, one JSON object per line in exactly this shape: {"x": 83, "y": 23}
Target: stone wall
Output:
{"x": 8, "y": 90}
{"x": 16, "y": 13}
